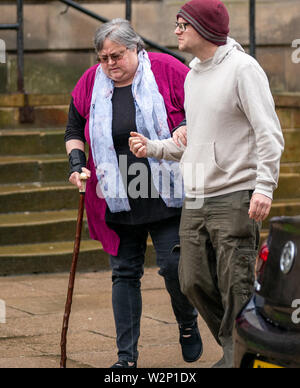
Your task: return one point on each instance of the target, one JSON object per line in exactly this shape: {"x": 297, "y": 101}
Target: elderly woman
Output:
{"x": 131, "y": 91}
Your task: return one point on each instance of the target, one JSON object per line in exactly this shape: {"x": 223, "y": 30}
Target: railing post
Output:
{"x": 128, "y": 10}
{"x": 252, "y": 27}
{"x": 26, "y": 112}
{"x": 20, "y": 46}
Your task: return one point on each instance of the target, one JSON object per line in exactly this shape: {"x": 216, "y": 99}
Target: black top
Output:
{"x": 143, "y": 210}
{"x": 75, "y": 126}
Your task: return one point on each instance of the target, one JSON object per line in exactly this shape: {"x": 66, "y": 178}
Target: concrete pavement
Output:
{"x": 30, "y": 338}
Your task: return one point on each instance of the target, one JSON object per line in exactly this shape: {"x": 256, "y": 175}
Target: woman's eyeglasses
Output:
{"x": 182, "y": 26}
{"x": 113, "y": 57}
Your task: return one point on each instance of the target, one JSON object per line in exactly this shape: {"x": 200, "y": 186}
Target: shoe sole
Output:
{"x": 196, "y": 359}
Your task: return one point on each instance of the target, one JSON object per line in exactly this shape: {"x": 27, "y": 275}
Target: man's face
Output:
{"x": 188, "y": 40}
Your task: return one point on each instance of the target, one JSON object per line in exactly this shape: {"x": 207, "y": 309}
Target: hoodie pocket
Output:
{"x": 201, "y": 172}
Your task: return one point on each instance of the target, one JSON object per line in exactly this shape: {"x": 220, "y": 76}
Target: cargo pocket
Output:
{"x": 186, "y": 229}
{"x": 244, "y": 271}
{"x": 242, "y": 226}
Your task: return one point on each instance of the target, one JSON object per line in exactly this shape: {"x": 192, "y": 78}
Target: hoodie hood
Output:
{"x": 218, "y": 58}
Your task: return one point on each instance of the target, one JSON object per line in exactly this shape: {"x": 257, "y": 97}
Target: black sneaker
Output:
{"x": 124, "y": 364}
{"x": 191, "y": 343}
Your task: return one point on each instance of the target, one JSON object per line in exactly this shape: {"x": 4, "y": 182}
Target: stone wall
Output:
{"x": 59, "y": 41}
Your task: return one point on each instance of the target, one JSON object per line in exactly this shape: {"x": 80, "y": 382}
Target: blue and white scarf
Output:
{"x": 151, "y": 121}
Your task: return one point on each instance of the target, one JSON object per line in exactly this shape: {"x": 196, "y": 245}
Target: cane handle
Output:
{"x": 83, "y": 178}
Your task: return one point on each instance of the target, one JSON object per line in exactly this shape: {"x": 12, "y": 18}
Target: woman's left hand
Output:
{"x": 180, "y": 136}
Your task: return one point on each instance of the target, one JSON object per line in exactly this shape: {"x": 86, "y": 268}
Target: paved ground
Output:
{"x": 30, "y": 338}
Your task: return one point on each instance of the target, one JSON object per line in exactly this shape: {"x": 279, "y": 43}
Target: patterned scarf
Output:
{"x": 151, "y": 121}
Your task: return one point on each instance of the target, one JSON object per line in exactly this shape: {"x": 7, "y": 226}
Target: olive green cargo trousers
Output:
{"x": 219, "y": 245}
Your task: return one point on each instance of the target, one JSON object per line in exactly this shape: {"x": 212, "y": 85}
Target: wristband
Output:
{"x": 77, "y": 160}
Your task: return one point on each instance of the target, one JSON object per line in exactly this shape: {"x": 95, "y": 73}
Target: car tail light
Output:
{"x": 260, "y": 265}
{"x": 264, "y": 252}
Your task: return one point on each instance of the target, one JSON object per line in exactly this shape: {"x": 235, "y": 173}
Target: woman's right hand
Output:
{"x": 75, "y": 177}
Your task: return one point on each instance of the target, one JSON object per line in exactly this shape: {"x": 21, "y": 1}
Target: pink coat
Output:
{"x": 170, "y": 75}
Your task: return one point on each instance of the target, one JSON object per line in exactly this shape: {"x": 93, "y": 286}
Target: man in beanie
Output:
{"x": 234, "y": 133}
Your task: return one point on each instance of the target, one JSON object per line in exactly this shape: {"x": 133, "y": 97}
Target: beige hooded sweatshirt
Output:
{"x": 234, "y": 138}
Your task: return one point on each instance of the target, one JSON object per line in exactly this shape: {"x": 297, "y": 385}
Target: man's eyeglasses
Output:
{"x": 113, "y": 57}
{"x": 182, "y": 26}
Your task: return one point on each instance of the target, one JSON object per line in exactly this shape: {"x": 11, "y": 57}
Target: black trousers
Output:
{"x": 127, "y": 271}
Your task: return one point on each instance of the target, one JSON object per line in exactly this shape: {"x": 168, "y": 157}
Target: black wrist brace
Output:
{"x": 77, "y": 160}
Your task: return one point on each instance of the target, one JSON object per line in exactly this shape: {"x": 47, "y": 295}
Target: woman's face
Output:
{"x": 118, "y": 62}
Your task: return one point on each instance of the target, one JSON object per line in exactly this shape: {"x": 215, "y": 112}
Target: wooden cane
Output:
{"x": 63, "y": 344}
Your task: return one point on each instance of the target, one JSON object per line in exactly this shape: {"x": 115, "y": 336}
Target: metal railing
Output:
{"x": 128, "y": 10}
{"x": 20, "y": 43}
{"x": 252, "y": 27}
{"x": 19, "y": 27}
{"x": 150, "y": 43}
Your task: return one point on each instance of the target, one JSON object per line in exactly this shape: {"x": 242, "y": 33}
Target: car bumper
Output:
{"x": 254, "y": 338}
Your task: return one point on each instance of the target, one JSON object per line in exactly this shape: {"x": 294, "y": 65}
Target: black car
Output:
{"x": 267, "y": 331}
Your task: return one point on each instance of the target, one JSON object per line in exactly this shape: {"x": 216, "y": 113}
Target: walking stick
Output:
{"x": 63, "y": 344}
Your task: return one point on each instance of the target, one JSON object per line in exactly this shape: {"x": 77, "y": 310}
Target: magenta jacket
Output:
{"x": 170, "y": 76}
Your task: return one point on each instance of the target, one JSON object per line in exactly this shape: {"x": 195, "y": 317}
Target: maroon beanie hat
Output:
{"x": 209, "y": 18}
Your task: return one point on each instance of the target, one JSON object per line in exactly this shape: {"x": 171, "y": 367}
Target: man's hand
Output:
{"x": 138, "y": 145}
{"x": 260, "y": 207}
{"x": 75, "y": 177}
{"x": 180, "y": 135}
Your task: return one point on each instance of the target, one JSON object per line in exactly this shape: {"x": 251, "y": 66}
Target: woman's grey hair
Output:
{"x": 119, "y": 31}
